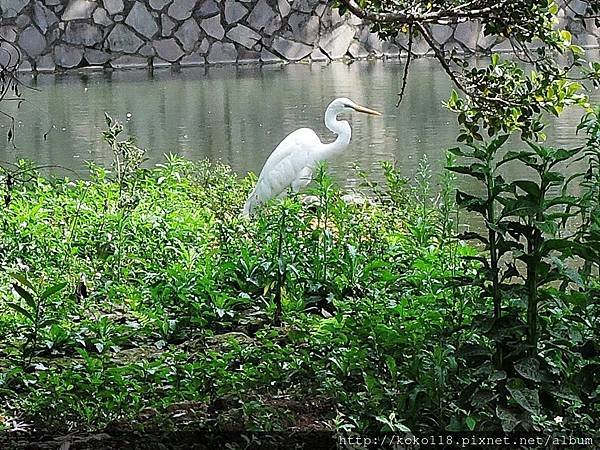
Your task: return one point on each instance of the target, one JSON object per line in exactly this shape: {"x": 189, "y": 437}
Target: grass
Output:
{"x": 145, "y": 302}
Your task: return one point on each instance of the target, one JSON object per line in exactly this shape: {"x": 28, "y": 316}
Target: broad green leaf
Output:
{"x": 511, "y": 155}
{"x": 526, "y": 398}
{"x": 391, "y": 365}
{"x": 473, "y": 170}
{"x": 457, "y": 151}
{"x": 548, "y": 227}
{"x": 508, "y": 420}
{"x": 498, "y": 375}
{"x": 471, "y": 203}
{"x": 20, "y": 310}
{"x": 497, "y": 143}
{"x": 470, "y": 423}
{"x": 529, "y": 187}
{"x": 25, "y": 295}
{"x": 49, "y": 292}
{"x": 529, "y": 368}
{"x": 22, "y": 278}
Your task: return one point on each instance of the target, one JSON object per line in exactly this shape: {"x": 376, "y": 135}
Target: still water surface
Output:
{"x": 238, "y": 114}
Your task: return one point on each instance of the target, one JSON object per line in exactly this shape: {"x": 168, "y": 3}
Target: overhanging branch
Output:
{"x": 457, "y": 13}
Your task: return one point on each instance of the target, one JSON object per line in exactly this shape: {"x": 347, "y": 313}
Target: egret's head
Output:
{"x": 342, "y": 104}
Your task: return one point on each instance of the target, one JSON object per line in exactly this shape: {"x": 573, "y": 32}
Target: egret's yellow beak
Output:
{"x": 366, "y": 110}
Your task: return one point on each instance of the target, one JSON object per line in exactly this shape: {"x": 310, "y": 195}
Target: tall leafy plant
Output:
{"x": 127, "y": 159}
{"x": 527, "y": 220}
{"x": 589, "y": 230}
{"x": 33, "y": 306}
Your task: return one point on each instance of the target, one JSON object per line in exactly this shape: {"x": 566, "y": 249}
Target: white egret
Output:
{"x": 291, "y": 164}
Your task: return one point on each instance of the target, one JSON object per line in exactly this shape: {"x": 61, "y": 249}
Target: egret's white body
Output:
{"x": 292, "y": 163}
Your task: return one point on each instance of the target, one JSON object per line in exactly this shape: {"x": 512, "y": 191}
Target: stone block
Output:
{"x": 45, "y": 63}
{"x": 357, "y": 50}
{"x": 129, "y": 62}
{"x": 43, "y": 17}
{"x": 167, "y": 24}
{"x": 101, "y": 17}
{"x": 247, "y": 56}
{"x": 11, "y": 8}
{"x": 168, "y": 49}
{"x": 267, "y": 57}
{"x": 82, "y": 33}
{"x": 222, "y": 53}
{"x": 284, "y": 7}
{"x": 208, "y": 8}
{"x": 79, "y": 9}
{"x": 158, "y": 5}
{"x": 8, "y": 33}
{"x": 243, "y": 36}
{"x": 114, "y": 6}
{"x": 122, "y": 39}
{"x": 96, "y": 57}
{"x": 32, "y": 42}
{"x": 67, "y": 57}
{"x": 262, "y": 14}
{"x": 336, "y": 42}
{"x": 234, "y": 11}
{"x": 291, "y": 50}
{"x": 194, "y": 59}
{"x": 188, "y": 34}
{"x": 304, "y": 27}
{"x": 140, "y": 19}
{"x": 181, "y": 9}
{"x": 212, "y": 26}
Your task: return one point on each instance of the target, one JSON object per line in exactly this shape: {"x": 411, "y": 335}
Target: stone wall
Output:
{"x": 52, "y": 34}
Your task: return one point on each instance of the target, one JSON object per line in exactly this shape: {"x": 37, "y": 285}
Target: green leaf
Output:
{"x": 47, "y": 322}
{"x": 529, "y": 187}
{"x": 392, "y": 367}
{"x": 568, "y": 248}
{"x": 498, "y": 375}
{"x": 566, "y": 36}
{"x": 508, "y": 420}
{"x": 53, "y": 290}
{"x": 20, "y": 310}
{"x": 526, "y": 398}
{"x": 511, "y": 155}
{"x": 460, "y": 152}
{"x": 520, "y": 207}
{"x": 497, "y": 143}
{"x": 474, "y": 170}
{"x": 471, "y": 203}
{"x": 529, "y": 368}
{"x": 453, "y": 97}
{"x": 22, "y": 278}
{"x": 547, "y": 227}
{"x": 568, "y": 200}
{"x": 561, "y": 154}
{"x": 470, "y": 423}
{"x": 25, "y": 295}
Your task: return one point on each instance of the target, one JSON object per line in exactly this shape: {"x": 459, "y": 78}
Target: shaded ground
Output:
{"x": 175, "y": 441}
{"x": 128, "y": 440}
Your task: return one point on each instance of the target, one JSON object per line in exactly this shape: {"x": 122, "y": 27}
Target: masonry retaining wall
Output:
{"x": 52, "y": 34}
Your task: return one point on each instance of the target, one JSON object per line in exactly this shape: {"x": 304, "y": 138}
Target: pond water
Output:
{"x": 239, "y": 114}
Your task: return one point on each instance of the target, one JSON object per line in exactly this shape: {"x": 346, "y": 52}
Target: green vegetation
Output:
{"x": 139, "y": 298}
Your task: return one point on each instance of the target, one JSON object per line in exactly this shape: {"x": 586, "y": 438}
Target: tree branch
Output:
{"x": 455, "y": 13}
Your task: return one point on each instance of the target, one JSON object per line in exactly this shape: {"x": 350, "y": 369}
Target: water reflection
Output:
{"x": 238, "y": 114}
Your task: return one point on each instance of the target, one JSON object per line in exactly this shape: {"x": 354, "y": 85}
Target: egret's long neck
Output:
{"x": 339, "y": 127}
